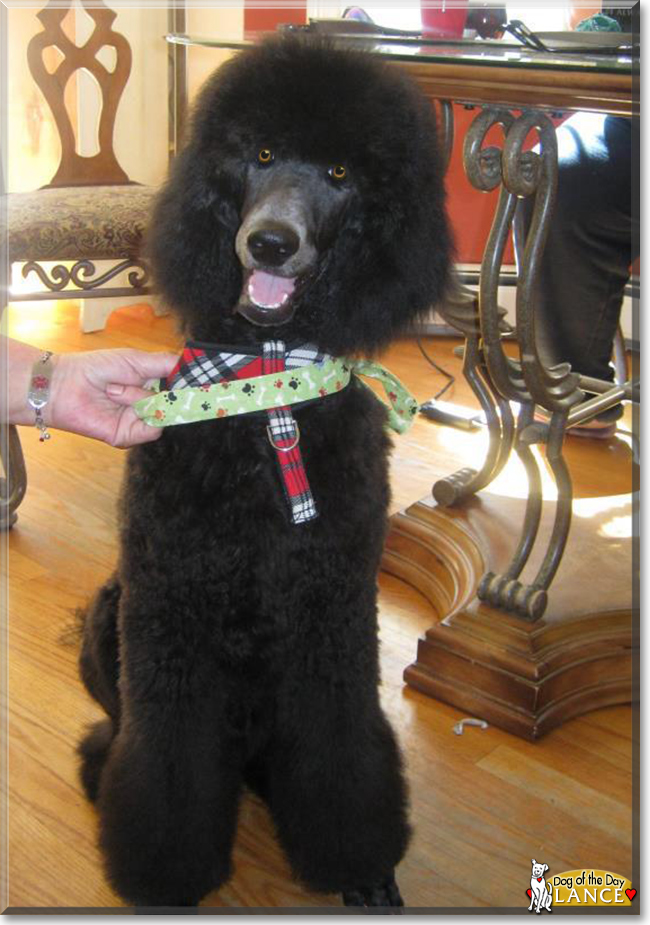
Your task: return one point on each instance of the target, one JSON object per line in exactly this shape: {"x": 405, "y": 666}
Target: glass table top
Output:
{"x": 570, "y": 51}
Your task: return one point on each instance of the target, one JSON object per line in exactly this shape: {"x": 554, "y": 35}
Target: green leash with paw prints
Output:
{"x": 275, "y": 390}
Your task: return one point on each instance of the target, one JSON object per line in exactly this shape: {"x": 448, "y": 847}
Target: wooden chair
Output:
{"x": 89, "y": 212}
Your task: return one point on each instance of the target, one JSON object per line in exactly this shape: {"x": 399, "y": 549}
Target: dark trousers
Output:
{"x": 592, "y": 241}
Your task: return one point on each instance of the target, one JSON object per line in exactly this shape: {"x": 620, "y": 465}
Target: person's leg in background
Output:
{"x": 590, "y": 246}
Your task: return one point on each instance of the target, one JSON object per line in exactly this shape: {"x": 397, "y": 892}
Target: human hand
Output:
{"x": 92, "y": 394}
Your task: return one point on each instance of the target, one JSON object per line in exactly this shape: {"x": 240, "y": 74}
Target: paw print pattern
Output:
{"x": 171, "y": 397}
{"x": 205, "y": 406}
{"x": 160, "y": 415}
{"x": 248, "y": 389}
{"x": 278, "y": 383}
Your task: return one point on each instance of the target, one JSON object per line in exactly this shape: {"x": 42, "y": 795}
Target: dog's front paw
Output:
{"x": 384, "y": 894}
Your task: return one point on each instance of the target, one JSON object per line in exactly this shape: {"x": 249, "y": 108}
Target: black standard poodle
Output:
{"x": 237, "y": 642}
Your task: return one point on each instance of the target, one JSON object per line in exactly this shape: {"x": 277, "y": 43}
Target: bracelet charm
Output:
{"x": 39, "y": 391}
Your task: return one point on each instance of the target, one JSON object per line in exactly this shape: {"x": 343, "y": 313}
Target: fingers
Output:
{"x": 123, "y": 367}
{"x": 143, "y": 433}
{"x": 125, "y": 394}
{"x": 131, "y": 431}
{"x": 152, "y": 365}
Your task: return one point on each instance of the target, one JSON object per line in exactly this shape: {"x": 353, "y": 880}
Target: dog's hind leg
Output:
{"x": 169, "y": 792}
{"x": 93, "y": 751}
{"x": 98, "y": 660}
{"x": 337, "y": 793}
{"x": 98, "y": 665}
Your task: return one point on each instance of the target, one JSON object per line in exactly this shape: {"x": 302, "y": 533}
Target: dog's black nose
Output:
{"x": 272, "y": 246}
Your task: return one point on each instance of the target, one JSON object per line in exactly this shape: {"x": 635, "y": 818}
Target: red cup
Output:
{"x": 443, "y": 18}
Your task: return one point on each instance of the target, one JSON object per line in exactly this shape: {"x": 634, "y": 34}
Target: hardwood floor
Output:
{"x": 483, "y": 804}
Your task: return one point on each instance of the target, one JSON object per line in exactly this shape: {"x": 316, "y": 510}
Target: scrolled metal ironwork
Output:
{"x": 82, "y": 275}
{"x": 460, "y": 310}
{"x": 534, "y": 173}
{"x": 483, "y": 165}
{"x": 522, "y": 173}
{"x": 13, "y": 484}
{"x": 484, "y": 170}
{"x": 446, "y": 128}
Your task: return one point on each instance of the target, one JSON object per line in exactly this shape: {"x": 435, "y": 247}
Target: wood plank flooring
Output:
{"x": 483, "y": 804}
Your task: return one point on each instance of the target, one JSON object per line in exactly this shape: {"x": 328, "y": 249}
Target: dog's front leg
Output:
{"x": 335, "y": 786}
{"x": 169, "y": 791}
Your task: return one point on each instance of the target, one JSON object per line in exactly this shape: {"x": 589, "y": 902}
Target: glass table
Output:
{"x": 487, "y": 71}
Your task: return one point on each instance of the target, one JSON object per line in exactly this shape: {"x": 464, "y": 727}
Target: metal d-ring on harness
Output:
{"x": 283, "y": 449}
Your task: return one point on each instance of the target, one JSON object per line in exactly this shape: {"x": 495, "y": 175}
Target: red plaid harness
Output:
{"x": 205, "y": 364}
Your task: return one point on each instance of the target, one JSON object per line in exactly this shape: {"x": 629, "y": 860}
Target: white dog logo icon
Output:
{"x": 540, "y": 897}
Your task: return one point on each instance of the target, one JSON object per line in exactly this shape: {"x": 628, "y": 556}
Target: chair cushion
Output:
{"x": 77, "y": 222}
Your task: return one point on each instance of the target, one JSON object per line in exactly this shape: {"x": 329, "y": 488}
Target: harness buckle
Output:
{"x": 283, "y": 449}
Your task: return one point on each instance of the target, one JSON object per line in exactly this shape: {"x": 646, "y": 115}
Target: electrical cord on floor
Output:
{"x": 436, "y": 411}
{"x": 443, "y": 372}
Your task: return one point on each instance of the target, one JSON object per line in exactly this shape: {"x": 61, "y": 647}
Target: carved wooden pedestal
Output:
{"x": 524, "y": 677}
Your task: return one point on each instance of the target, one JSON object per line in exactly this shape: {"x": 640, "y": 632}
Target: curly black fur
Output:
{"x": 232, "y": 645}
{"x": 390, "y": 259}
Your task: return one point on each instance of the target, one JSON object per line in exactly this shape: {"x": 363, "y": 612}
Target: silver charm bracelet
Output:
{"x": 39, "y": 391}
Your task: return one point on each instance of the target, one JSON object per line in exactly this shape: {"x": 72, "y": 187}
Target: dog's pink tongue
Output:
{"x": 269, "y": 291}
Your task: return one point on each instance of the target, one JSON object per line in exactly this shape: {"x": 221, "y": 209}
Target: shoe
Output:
{"x": 593, "y": 429}
{"x": 602, "y": 427}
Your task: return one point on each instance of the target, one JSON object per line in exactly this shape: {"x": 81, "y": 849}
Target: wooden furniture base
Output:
{"x": 524, "y": 677}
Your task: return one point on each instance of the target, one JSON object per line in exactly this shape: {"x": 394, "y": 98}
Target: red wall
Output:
{"x": 265, "y": 18}
{"x": 470, "y": 210}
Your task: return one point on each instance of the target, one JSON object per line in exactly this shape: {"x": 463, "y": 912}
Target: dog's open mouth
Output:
{"x": 267, "y": 299}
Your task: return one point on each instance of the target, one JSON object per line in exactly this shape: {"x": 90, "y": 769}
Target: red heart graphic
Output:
{"x": 539, "y": 879}
{"x": 630, "y": 894}
{"x": 530, "y": 893}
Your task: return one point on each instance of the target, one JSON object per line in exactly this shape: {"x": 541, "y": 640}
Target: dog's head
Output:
{"x": 539, "y": 869}
{"x": 307, "y": 204}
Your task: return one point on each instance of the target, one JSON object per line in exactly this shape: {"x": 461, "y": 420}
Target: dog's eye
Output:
{"x": 265, "y": 157}
{"x": 338, "y": 173}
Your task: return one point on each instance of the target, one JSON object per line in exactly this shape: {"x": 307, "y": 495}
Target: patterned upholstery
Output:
{"x": 78, "y": 222}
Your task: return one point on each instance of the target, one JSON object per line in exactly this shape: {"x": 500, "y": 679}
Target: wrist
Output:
{"x": 52, "y": 412}
{"x": 22, "y": 365}
{"x": 20, "y": 359}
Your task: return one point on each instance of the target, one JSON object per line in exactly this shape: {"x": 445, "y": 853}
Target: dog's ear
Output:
{"x": 392, "y": 258}
{"x": 545, "y": 866}
{"x": 534, "y": 861}
{"x": 190, "y": 241}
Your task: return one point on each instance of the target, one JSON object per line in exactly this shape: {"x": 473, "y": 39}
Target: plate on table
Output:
{"x": 589, "y": 42}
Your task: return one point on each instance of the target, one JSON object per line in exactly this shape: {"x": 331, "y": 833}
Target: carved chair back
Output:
{"x": 76, "y": 169}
